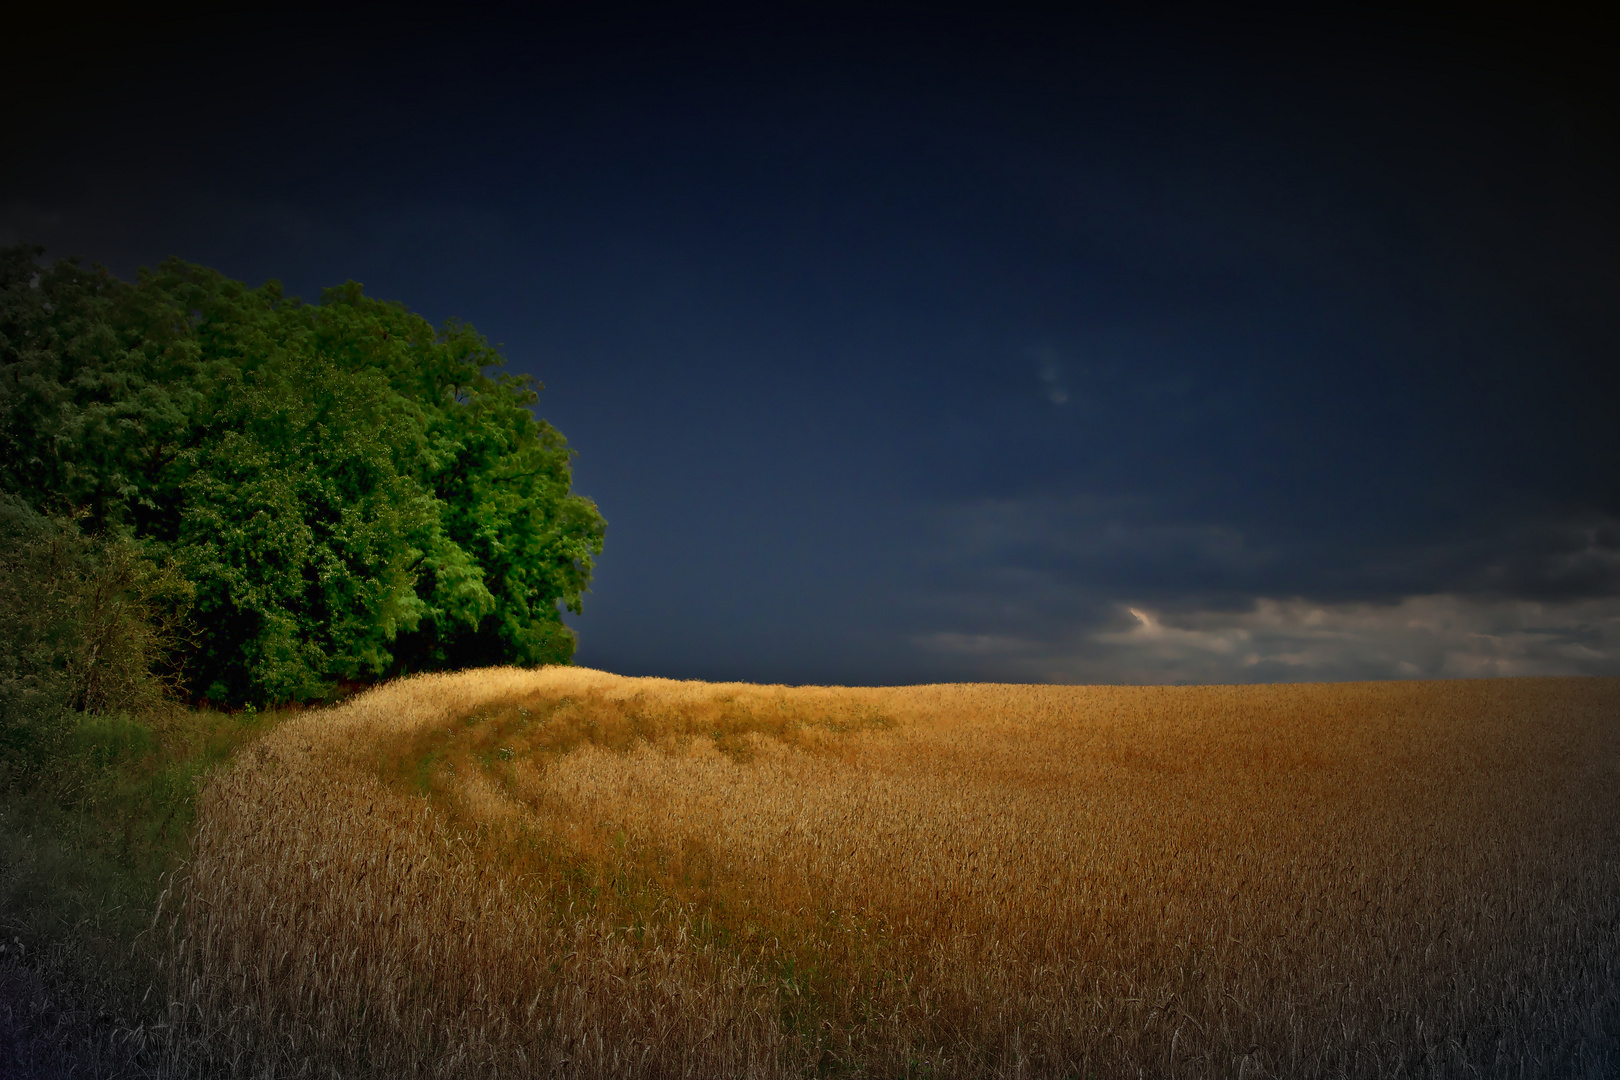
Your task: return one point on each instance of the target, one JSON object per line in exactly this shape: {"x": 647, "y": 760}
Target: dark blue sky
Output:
{"x": 903, "y": 347}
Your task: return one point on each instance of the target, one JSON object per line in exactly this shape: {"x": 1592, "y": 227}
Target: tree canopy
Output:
{"x": 349, "y": 491}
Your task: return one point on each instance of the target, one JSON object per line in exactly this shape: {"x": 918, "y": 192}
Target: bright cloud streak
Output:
{"x": 1421, "y": 636}
{"x": 1295, "y": 640}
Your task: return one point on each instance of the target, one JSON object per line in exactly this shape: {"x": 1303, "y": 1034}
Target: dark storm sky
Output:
{"x": 901, "y": 347}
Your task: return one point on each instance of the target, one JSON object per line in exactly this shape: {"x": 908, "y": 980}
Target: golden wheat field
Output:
{"x": 568, "y": 873}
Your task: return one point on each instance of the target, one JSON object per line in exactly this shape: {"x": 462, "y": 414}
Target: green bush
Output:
{"x": 87, "y": 625}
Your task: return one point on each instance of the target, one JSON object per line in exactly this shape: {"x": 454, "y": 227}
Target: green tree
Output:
{"x": 351, "y": 491}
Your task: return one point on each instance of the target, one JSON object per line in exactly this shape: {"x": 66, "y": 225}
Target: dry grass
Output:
{"x": 567, "y": 873}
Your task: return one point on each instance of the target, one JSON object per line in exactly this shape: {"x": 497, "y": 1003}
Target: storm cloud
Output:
{"x": 1103, "y": 348}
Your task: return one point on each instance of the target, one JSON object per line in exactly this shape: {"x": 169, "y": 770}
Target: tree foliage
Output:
{"x": 350, "y": 491}
{"x": 87, "y": 625}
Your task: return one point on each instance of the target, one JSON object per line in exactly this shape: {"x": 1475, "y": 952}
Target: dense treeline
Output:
{"x": 274, "y": 495}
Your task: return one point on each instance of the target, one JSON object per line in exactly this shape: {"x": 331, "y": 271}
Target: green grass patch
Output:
{"x": 89, "y": 833}
{"x": 120, "y": 794}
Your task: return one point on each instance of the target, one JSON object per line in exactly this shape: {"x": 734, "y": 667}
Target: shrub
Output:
{"x": 87, "y": 625}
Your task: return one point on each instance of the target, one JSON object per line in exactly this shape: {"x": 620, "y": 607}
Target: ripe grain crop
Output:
{"x": 568, "y": 873}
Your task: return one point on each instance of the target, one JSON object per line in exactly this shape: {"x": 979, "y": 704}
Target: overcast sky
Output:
{"x": 898, "y": 347}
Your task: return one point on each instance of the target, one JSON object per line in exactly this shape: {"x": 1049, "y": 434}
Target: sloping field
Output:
{"x": 563, "y": 872}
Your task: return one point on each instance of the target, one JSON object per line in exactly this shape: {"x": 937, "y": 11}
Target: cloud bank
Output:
{"x": 1287, "y": 640}
{"x": 1085, "y": 591}
{"x": 1435, "y": 636}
